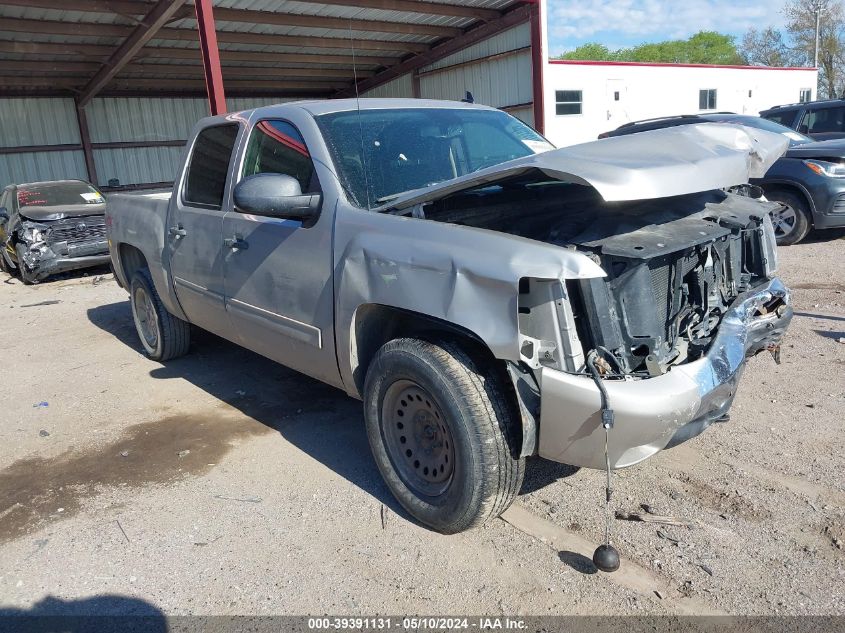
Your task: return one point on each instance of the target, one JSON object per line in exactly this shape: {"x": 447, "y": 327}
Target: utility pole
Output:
{"x": 817, "y": 6}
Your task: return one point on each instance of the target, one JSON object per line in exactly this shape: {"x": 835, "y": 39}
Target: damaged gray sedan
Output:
{"x": 487, "y": 296}
{"x": 51, "y": 227}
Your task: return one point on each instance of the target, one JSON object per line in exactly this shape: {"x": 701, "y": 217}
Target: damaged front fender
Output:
{"x": 465, "y": 276}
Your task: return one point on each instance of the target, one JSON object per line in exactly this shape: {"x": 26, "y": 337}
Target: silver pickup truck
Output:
{"x": 487, "y": 296}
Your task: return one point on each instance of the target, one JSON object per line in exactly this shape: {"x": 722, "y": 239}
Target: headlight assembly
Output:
{"x": 825, "y": 168}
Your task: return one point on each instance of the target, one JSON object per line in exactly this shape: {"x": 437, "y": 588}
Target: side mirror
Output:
{"x": 276, "y": 196}
{"x": 4, "y": 215}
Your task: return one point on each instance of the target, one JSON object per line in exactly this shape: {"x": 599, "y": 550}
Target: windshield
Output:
{"x": 55, "y": 194}
{"x": 770, "y": 126}
{"x": 381, "y": 153}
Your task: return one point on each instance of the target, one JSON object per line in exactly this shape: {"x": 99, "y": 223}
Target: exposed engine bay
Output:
{"x": 673, "y": 265}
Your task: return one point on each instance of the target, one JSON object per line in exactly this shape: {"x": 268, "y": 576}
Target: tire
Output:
{"x": 446, "y": 396}
{"x": 793, "y": 223}
{"x": 163, "y": 335}
{"x": 27, "y": 277}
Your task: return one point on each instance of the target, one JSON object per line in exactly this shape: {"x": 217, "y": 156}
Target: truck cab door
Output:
{"x": 279, "y": 292}
{"x": 195, "y": 229}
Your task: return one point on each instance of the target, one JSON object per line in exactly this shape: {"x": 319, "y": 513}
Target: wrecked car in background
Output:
{"x": 488, "y": 297}
{"x": 51, "y": 227}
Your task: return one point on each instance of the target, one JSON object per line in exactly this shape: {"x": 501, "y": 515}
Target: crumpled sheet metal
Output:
{"x": 468, "y": 277}
{"x": 656, "y": 164}
{"x": 649, "y": 412}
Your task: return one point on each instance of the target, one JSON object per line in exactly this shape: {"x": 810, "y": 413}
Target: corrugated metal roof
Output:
{"x": 35, "y": 13}
{"x": 347, "y": 22}
{"x": 354, "y": 13}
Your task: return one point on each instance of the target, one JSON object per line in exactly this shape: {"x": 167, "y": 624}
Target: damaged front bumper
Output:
{"x": 42, "y": 260}
{"x": 656, "y": 413}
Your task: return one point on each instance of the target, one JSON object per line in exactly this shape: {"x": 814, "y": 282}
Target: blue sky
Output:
{"x": 622, "y": 23}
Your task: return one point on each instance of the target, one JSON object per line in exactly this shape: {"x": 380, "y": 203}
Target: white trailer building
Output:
{"x": 584, "y": 99}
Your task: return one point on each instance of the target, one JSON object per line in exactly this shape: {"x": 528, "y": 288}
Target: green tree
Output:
{"x": 705, "y": 47}
{"x": 591, "y": 51}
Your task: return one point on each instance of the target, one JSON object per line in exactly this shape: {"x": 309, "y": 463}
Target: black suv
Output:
{"x": 809, "y": 180}
{"x": 821, "y": 120}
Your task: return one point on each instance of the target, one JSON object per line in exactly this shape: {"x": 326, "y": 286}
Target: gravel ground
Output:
{"x": 221, "y": 483}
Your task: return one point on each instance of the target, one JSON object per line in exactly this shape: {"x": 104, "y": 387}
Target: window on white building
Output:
{"x": 568, "y": 102}
{"x": 806, "y": 95}
{"x": 707, "y": 99}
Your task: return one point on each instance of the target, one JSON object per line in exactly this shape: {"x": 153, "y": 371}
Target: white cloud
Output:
{"x": 576, "y": 21}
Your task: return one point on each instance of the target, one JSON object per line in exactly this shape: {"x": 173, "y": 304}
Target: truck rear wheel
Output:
{"x": 440, "y": 427}
{"x": 163, "y": 335}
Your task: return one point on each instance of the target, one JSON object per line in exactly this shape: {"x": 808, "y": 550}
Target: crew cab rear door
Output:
{"x": 278, "y": 272}
{"x": 195, "y": 229}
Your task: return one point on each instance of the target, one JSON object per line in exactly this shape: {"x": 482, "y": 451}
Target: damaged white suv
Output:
{"x": 487, "y": 296}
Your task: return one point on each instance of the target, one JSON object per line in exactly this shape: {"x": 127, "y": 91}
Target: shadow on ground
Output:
{"x": 289, "y": 403}
{"x": 578, "y": 562}
{"x": 279, "y": 398}
{"x": 817, "y": 236}
{"x": 111, "y": 613}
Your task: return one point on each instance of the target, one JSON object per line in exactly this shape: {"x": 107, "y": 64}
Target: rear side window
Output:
{"x": 277, "y": 147}
{"x": 824, "y": 121}
{"x": 206, "y": 178}
{"x": 784, "y": 118}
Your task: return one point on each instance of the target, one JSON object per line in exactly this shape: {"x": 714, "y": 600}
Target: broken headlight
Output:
{"x": 33, "y": 233}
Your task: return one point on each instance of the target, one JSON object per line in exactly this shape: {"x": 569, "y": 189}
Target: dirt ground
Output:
{"x": 222, "y": 483}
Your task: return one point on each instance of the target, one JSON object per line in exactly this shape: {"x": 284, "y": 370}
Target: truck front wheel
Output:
{"x": 163, "y": 335}
{"x": 440, "y": 426}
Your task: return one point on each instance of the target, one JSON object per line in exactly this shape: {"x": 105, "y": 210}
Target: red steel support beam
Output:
{"x": 210, "y": 57}
{"x": 538, "y": 67}
{"x": 160, "y": 14}
{"x": 87, "y": 150}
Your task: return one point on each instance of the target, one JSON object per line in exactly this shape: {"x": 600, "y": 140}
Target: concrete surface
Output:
{"x": 221, "y": 483}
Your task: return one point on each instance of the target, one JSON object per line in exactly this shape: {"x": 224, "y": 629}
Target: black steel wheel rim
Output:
{"x": 417, "y": 438}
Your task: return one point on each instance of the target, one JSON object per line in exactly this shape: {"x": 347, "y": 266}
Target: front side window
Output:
{"x": 378, "y": 154}
{"x": 277, "y": 147}
{"x": 569, "y": 102}
{"x": 707, "y": 99}
{"x": 209, "y": 166}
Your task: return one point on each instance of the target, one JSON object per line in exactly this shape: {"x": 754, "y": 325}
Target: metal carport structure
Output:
{"x": 107, "y": 61}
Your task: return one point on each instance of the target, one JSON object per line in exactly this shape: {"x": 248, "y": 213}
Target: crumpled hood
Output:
{"x": 60, "y": 212}
{"x": 655, "y": 164}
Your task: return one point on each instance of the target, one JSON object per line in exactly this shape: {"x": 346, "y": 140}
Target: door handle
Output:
{"x": 177, "y": 231}
{"x": 236, "y": 243}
